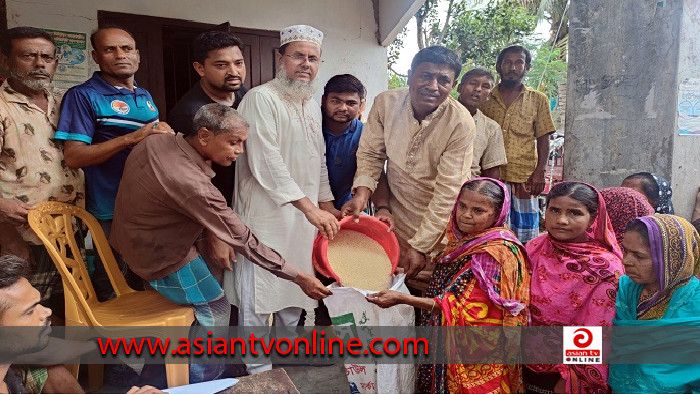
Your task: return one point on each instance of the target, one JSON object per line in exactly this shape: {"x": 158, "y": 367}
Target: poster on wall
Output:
{"x": 73, "y": 67}
{"x": 689, "y": 107}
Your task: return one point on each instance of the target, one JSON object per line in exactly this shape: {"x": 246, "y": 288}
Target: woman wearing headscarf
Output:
{"x": 623, "y": 205}
{"x": 575, "y": 269}
{"x": 662, "y": 254}
{"x": 482, "y": 278}
{"x": 655, "y": 188}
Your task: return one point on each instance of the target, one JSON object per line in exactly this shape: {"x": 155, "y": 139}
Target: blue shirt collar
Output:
{"x": 103, "y": 87}
{"x": 354, "y": 125}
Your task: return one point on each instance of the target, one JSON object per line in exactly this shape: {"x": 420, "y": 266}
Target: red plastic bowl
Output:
{"x": 369, "y": 226}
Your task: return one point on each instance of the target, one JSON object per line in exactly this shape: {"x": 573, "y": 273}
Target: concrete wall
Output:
{"x": 686, "y": 148}
{"x": 625, "y": 59}
{"x": 350, "y": 44}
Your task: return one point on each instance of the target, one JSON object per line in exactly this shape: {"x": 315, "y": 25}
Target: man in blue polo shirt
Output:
{"x": 103, "y": 118}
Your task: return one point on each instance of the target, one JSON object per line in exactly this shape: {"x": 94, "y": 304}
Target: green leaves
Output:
{"x": 479, "y": 30}
{"x": 547, "y": 70}
{"x": 478, "y": 35}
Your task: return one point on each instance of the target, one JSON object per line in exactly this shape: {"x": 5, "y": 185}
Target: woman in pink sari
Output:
{"x": 575, "y": 271}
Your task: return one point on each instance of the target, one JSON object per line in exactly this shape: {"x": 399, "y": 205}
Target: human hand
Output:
{"x": 522, "y": 191}
{"x": 386, "y": 298}
{"x": 14, "y": 211}
{"x": 413, "y": 262}
{"x": 218, "y": 252}
{"x": 357, "y": 203}
{"x": 535, "y": 184}
{"x": 311, "y": 286}
{"x": 144, "y": 390}
{"x": 560, "y": 387}
{"x": 148, "y": 129}
{"x": 324, "y": 221}
{"x": 330, "y": 208}
{"x": 386, "y": 217}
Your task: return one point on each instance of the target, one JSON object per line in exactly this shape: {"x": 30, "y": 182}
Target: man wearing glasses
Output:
{"x": 282, "y": 191}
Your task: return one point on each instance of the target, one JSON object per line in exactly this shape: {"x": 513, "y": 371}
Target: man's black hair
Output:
{"x": 514, "y": 48}
{"x": 345, "y": 83}
{"x": 18, "y": 33}
{"x": 477, "y": 72}
{"x": 12, "y": 269}
{"x": 211, "y": 41}
{"x": 438, "y": 55}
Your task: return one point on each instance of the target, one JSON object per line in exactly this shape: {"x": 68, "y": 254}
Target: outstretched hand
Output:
{"x": 311, "y": 286}
{"x": 386, "y": 298}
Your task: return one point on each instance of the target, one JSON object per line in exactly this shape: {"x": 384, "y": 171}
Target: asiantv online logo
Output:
{"x": 583, "y": 345}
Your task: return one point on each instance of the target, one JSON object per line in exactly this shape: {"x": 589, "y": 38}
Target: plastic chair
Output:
{"x": 53, "y": 224}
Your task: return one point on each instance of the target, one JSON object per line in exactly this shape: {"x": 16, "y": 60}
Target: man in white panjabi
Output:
{"x": 282, "y": 191}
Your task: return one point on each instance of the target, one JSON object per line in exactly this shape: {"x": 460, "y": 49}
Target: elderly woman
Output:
{"x": 484, "y": 264}
{"x": 655, "y": 188}
{"x": 662, "y": 253}
{"x": 575, "y": 269}
{"x": 624, "y": 205}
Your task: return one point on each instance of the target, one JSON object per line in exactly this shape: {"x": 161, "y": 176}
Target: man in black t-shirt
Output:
{"x": 218, "y": 59}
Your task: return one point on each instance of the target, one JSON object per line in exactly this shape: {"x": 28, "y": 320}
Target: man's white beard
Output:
{"x": 298, "y": 90}
{"x": 33, "y": 84}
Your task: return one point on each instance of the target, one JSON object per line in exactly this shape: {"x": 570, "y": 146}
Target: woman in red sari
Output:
{"x": 481, "y": 279}
{"x": 575, "y": 271}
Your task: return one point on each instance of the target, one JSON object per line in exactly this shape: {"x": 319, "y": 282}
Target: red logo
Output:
{"x": 120, "y": 107}
{"x": 583, "y": 345}
{"x": 584, "y": 338}
{"x": 582, "y": 353}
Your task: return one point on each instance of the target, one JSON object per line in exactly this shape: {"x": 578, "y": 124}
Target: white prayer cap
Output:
{"x": 300, "y": 33}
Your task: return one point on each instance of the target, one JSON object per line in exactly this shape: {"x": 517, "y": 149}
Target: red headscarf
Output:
{"x": 624, "y": 205}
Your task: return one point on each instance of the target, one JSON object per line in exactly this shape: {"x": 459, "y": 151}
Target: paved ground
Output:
{"x": 308, "y": 379}
{"x": 331, "y": 379}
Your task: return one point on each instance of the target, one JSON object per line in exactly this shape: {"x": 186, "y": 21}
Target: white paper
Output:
{"x": 211, "y": 387}
{"x": 689, "y": 107}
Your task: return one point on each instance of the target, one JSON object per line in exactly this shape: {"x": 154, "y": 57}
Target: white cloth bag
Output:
{"x": 348, "y": 307}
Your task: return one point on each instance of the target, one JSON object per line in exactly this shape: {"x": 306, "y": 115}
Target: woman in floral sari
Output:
{"x": 575, "y": 270}
{"x": 662, "y": 253}
{"x": 481, "y": 279}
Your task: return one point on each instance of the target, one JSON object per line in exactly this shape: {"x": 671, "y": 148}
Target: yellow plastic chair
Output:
{"x": 53, "y": 223}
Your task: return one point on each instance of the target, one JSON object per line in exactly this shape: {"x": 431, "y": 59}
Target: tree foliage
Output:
{"x": 554, "y": 11}
{"x": 547, "y": 70}
{"x": 479, "y": 29}
{"x": 478, "y": 35}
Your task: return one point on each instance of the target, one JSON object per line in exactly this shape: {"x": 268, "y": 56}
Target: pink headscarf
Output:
{"x": 575, "y": 284}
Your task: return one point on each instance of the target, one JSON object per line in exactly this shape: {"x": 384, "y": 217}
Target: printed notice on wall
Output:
{"x": 689, "y": 107}
{"x": 73, "y": 67}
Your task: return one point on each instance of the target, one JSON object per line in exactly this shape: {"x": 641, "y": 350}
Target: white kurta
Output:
{"x": 284, "y": 161}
